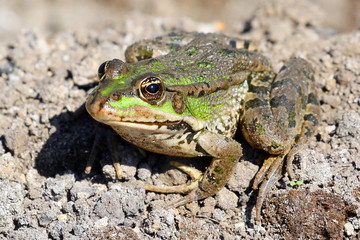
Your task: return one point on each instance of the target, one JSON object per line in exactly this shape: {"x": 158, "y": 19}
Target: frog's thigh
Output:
{"x": 274, "y": 107}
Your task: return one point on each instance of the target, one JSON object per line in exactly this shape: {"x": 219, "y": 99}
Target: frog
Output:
{"x": 187, "y": 94}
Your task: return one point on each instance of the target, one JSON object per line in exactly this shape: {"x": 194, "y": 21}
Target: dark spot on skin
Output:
{"x": 190, "y": 137}
{"x": 308, "y": 132}
{"x": 101, "y": 105}
{"x": 219, "y": 131}
{"x": 282, "y": 82}
{"x": 265, "y": 79}
{"x": 207, "y": 84}
{"x": 199, "y": 149}
{"x": 312, "y": 99}
{"x": 181, "y": 142}
{"x": 201, "y": 93}
{"x": 254, "y": 103}
{"x": 178, "y": 127}
{"x": 258, "y": 89}
{"x": 230, "y": 79}
{"x": 311, "y": 118}
{"x": 287, "y": 82}
{"x": 291, "y": 117}
{"x": 280, "y": 101}
{"x": 232, "y": 43}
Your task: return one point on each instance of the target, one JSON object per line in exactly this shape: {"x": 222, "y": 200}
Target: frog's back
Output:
{"x": 209, "y": 60}
{"x": 210, "y": 70}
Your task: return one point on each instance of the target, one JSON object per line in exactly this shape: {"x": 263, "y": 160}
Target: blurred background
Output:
{"x": 51, "y": 16}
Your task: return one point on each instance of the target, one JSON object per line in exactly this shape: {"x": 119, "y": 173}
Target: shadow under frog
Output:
{"x": 69, "y": 148}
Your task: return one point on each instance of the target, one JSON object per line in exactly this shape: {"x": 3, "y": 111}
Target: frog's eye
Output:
{"x": 102, "y": 69}
{"x": 151, "y": 89}
{"x": 112, "y": 69}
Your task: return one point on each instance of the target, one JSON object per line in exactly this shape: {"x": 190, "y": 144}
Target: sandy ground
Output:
{"x": 45, "y": 139}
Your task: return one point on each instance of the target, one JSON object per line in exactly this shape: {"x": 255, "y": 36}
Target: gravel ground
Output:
{"x": 46, "y": 138}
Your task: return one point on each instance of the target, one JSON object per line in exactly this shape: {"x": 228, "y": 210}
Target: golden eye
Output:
{"x": 151, "y": 89}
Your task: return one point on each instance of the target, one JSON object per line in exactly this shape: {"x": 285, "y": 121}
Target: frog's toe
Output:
{"x": 118, "y": 171}
{"x": 265, "y": 169}
{"x": 184, "y": 188}
{"x": 268, "y": 179}
{"x": 191, "y": 171}
{"x": 194, "y": 195}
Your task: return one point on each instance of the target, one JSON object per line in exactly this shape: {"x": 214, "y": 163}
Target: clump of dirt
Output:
{"x": 301, "y": 214}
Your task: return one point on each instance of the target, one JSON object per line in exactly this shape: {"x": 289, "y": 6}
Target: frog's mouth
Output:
{"x": 169, "y": 125}
{"x": 146, "y": 129}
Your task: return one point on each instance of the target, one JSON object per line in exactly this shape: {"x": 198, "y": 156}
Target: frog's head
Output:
{"x": 130, "y": 93}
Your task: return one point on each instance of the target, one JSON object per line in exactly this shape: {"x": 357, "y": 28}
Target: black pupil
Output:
{"x": 153, "y": 88}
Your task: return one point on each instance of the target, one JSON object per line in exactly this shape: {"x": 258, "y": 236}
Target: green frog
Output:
{"x": 187, "y": 94}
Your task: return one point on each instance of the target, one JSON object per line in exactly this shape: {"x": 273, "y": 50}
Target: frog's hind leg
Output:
{"x": 194, "y": 174}
{"x": 268, "y": 175}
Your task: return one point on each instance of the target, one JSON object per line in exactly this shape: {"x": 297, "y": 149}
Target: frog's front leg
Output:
{"x": 225, "y": 152}
{"x": 111, "y": 141}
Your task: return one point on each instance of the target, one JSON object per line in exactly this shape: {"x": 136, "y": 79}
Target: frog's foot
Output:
{"x": 268, "y": 175}
{"x": 184, "y": 188}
